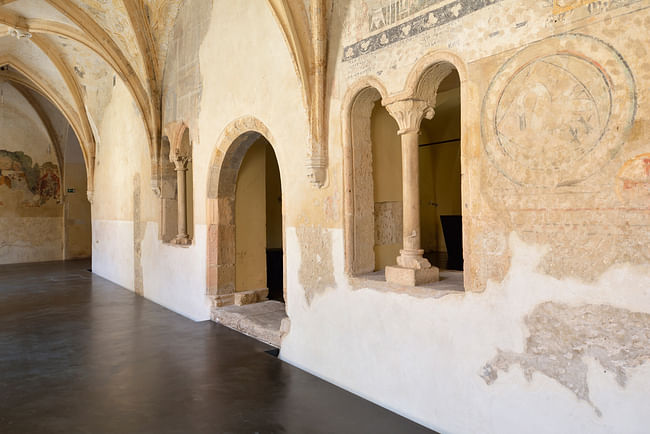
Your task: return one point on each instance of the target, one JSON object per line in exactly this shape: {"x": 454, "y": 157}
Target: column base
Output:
{"x": 182, "y": 240}
{"x": 410, "y": 276}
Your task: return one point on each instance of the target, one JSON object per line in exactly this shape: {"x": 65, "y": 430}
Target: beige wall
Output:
{"x": 537, "y": 253}
{"x": 250, "y": 220}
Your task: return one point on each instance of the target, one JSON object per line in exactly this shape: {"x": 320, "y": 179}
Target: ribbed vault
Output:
{"x": 72, "y": 51}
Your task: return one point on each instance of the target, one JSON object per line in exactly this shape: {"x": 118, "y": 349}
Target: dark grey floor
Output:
{"x": 79, "y": 354}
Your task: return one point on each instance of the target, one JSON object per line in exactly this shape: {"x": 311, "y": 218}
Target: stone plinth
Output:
{"x": 411, "y": 276}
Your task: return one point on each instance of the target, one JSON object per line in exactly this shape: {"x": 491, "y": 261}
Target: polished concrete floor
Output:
{"x": 79, "y": 354}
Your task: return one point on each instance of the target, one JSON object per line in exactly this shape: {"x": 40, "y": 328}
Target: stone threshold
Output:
{"x": 451, "y": 282}
{"x": 262, "y": 321}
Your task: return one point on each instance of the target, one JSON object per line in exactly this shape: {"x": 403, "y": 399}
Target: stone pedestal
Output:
{"x": 411, "y": 276}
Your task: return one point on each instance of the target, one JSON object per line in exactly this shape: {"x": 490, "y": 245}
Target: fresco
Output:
{"x": 40, "y": 183}
{"x": 389, "y": 20}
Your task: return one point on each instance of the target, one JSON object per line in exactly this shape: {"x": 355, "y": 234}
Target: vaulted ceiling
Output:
{"x": 71, "y": 51}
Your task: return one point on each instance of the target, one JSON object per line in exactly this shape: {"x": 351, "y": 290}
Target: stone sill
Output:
{"x": 451, "y": 282}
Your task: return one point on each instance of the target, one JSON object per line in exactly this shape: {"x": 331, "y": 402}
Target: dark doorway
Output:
{"x": 274, "y": 251}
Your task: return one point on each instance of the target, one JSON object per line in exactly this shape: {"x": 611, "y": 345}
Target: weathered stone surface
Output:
{"x": 410, "y": 276}
{"x": 262, "y": 321}
{"x": 249, "y": 297}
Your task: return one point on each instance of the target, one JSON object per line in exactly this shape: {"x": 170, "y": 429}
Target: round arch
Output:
{"x": 422, "y": 83}
{"x": 232, "y": 146}
{"x": 30, "y": 80}
{"x": 357, "y": 108}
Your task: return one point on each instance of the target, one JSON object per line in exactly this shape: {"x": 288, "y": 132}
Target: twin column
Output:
{"x": 180, "y": 165}
{"x": 412, "y": 268}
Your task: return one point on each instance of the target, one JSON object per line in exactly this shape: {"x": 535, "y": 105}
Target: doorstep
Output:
{"x": 262, "y": 321}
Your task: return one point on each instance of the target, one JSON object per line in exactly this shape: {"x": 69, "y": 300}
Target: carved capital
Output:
{"x": 409, "y": 114}
{"x": 316, "y": 171}
{"x": 180, "y": 160}
{"x": 90, "y": 195}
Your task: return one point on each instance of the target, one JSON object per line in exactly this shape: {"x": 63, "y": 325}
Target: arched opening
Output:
{"x": 440, "y": 175}
{"x": 44, "y": 210}
{"x": 246, "y": 265}
{"x": 246, "y": 261}
{"x": 258, "y": 226}
{"x": 168, "y": 194}
{"x": 402, "y": 157}
{"x": 369, "y": 148}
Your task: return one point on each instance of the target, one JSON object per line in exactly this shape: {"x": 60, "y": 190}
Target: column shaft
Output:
{"x": 413, "y": 269}
{"x": 410, "y": 191}
{"x": 182, "y": 208}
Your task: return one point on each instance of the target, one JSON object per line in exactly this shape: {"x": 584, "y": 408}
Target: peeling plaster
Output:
{"x": 561, "y": 336}
{"x": 316, "y": 273}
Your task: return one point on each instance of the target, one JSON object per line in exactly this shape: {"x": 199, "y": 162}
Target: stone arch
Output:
{"x": 434, "y": 62}
{"x": 422, "y": 83}
{"x": 357, "y": 106}
{"x": 235, "y": 141}
{"x": 33, "y": 81}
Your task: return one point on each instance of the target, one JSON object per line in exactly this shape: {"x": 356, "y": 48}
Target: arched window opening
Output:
{"x": 177, "y": 222}
{"x": 168, "y": 194}
{"x": 440, "y": 179}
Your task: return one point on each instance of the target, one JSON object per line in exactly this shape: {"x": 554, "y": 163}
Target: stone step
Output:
{"x": 262, "y": 321}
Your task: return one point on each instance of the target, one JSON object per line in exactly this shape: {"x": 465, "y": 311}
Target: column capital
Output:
{"x": 180, "y": 160}
{"x": 409, "y": 114}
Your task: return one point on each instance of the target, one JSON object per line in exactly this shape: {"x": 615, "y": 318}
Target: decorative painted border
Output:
{"x": 437, "y": 17}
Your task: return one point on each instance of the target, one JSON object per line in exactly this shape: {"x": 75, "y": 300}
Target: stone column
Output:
{"x": 180, "y": 163}
{"x": 412, "y": 268}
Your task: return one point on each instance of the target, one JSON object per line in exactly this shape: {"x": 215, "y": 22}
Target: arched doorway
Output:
{"x": 258, "y": 226}
{"x": 45, "y": 213}
{"x": 246, "y": 259}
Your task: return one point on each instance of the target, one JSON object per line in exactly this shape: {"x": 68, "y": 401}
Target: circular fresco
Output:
{"x": 553, "y": 115}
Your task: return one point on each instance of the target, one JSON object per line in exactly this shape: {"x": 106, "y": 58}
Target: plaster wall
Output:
{"x": 206, "y": 96}
{"x": 551, "y": 332}
{"x": 126, "y": 244}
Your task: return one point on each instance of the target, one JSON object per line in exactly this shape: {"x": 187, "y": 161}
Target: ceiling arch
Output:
{"x": 129, "y": 39}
